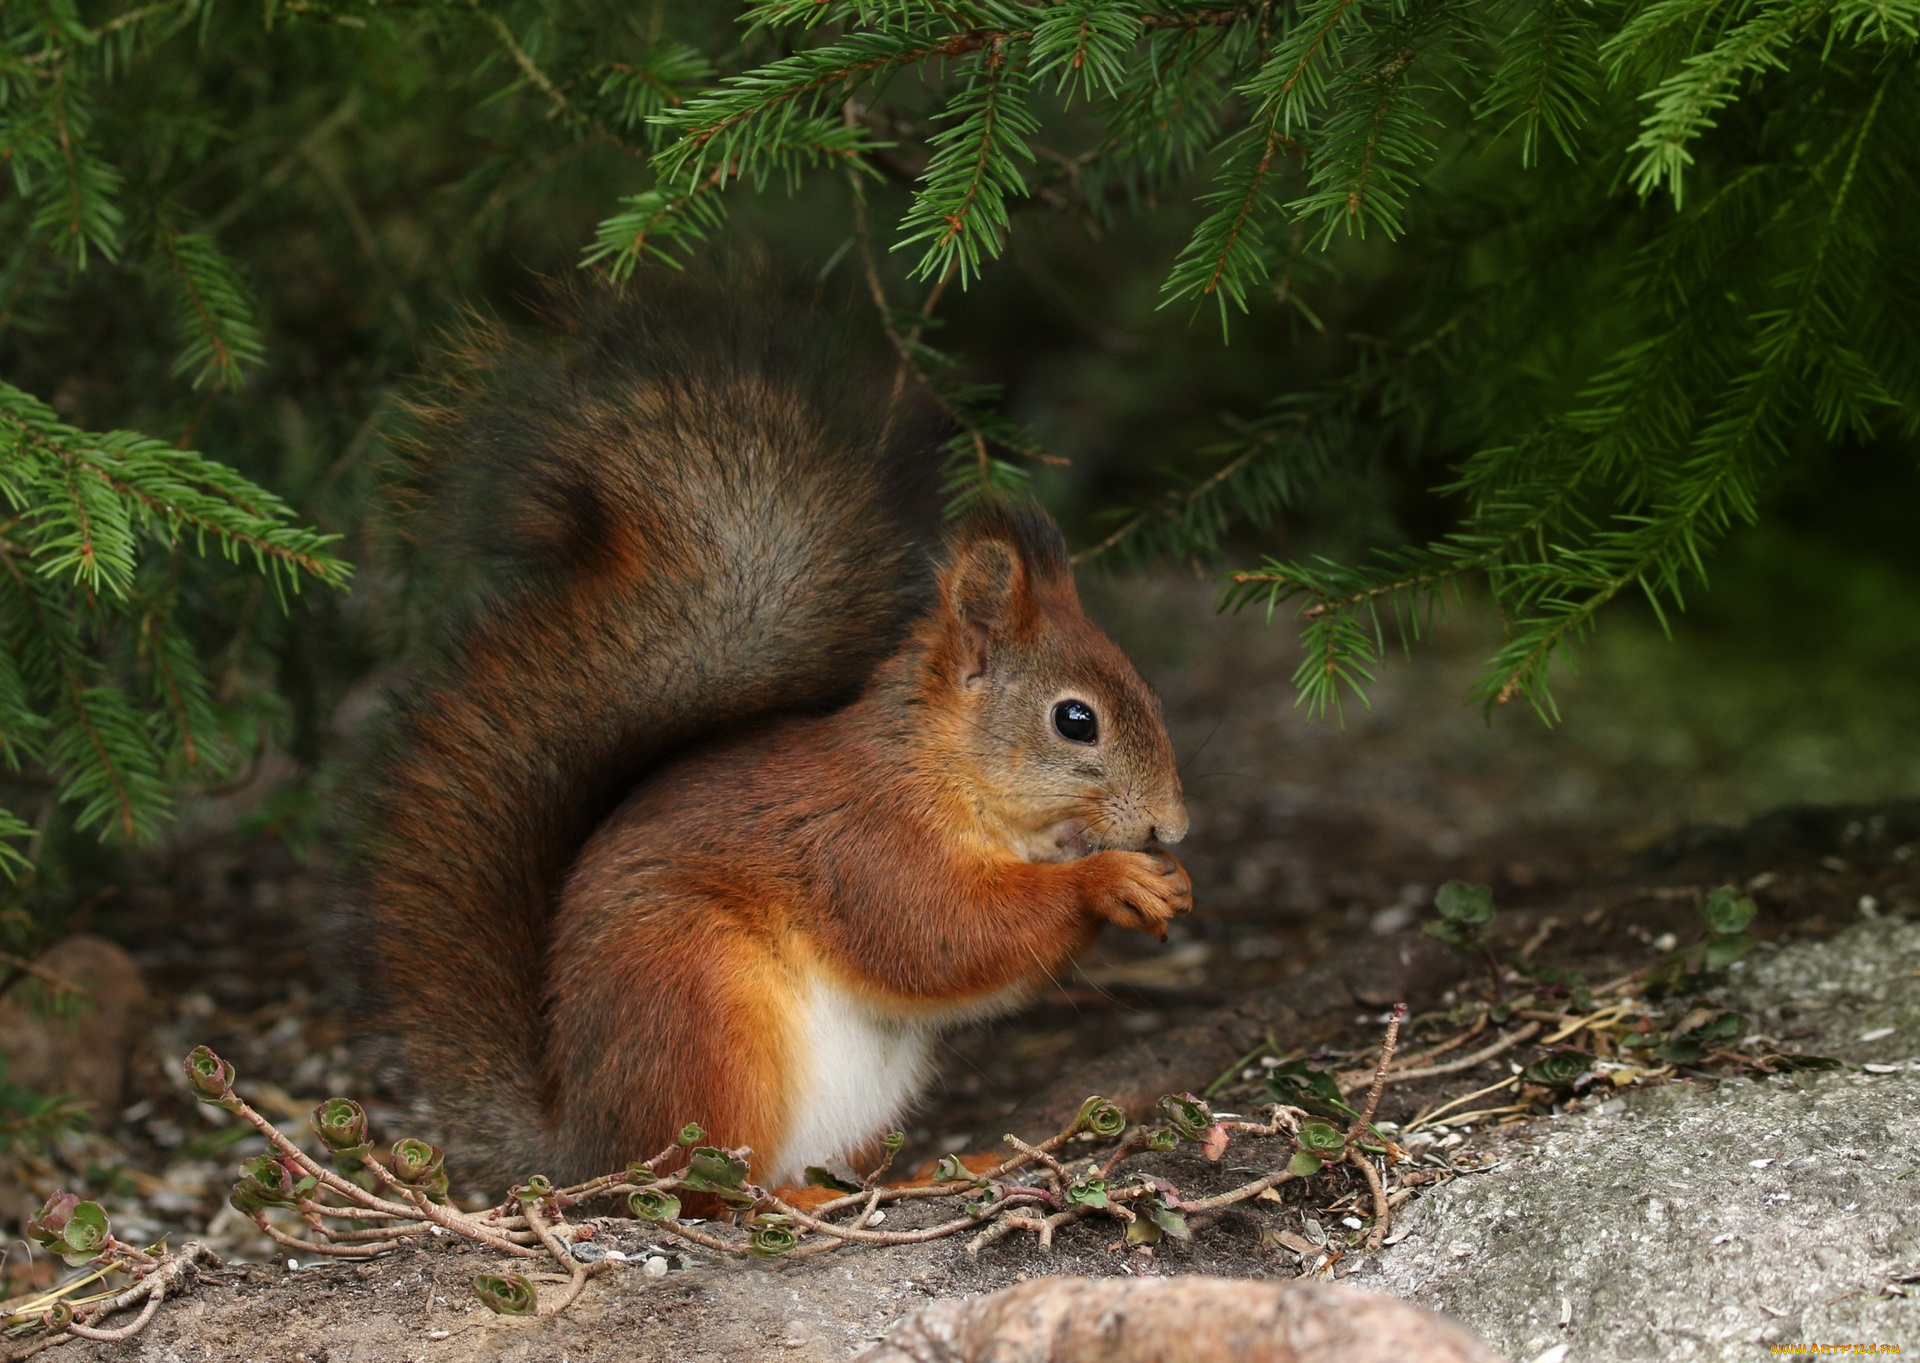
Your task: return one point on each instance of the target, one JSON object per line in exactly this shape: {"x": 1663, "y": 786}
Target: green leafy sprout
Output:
{"x": 1466, "y": 915}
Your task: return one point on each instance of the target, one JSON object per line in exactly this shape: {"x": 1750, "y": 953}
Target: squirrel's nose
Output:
{"x": 1171, "y": 826}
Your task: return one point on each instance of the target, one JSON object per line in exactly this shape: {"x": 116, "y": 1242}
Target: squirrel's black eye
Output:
{"x": 1073, "y": 719}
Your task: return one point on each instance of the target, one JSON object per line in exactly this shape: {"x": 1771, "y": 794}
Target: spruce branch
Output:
{"x": 656, "y": 224}
{"x": 1207, "y": 16}
{"x": 1632, "y": 377}
{"x": 1546, "y": 83}
{"x": 1273, "y": 462}
{"x": 960, "y": 207}
{"x": 972, "y": 471}
{"x": 1086, "y": 45}
{"x": 90, "y": 514}
{"x": 561, "y": 106}
{"x": 1375, "y": 134}
{"x": 1269, "y": 467}
{"x": 724, "y": 131}
{"x": 1685, "y": 103}
{"x": 1227, "y": 254}
{"x": 1293, "y": 79}
{"x": 662, "y": 80}
{"x": 77, "y": 210}
{"x": 1166, "y": 114}
{"x": 1718, "y": 483}
{"x": 93, "y": 741}
{"x": 213, "y": 311}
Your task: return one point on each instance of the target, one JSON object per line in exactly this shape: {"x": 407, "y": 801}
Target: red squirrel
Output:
{"x": 738, "y": 780}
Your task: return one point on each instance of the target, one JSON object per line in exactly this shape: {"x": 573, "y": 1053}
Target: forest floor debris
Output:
{"x": 1706, "y": 1220}
{"x": 1575, "y": 1203}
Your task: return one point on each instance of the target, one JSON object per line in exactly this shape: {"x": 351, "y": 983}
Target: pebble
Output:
{"x": 656, "y": 1267}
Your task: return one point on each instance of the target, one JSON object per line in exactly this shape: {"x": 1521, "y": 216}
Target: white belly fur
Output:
{"x": 861, "y": 1068}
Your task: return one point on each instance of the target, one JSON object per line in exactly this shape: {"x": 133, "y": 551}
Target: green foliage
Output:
{"x": 649, "y": 1205}
{"x": 719, "y": 1172}
{"x": 1165, "y": 1218}
{"x": 1298, "y": 1084}
{"x": 1726, "y": 912}
{"x": 99, "y": 686}
{"x": 1616, "y": 365}
{"x": 1466, "y": 915}
{"x": 1603, "y": 270}
{"x": 772, "y": 1238}
{"x": 834, "y": 1174}
{"x": 1703, "y": 1031}
{"x": 1087, "y": 1191}
{"x": 227, "y": 230}
{"x": 31, "y": 1121}
{"x": 1187, "y": 1114}
{"x": 1320, "y": 1145}
{"x": 421, "y": 1167}
{"x": 73, "y": 1229}
{"x": 1727, "y": 916}
{"x": 269, "y": 1181}
{"x": 1104, "y": 1119}
{"x": 1559, "y": 1069}
{"x": 506, "y": 1294}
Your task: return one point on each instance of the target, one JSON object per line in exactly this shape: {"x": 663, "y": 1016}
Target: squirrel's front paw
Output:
{"x": 1143, "y": 890}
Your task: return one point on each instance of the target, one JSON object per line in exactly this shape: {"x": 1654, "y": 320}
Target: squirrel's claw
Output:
{"x": 1146, "y": 891}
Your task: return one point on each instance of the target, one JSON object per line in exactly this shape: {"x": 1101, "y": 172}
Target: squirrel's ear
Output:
{"x": 991, "y": 598}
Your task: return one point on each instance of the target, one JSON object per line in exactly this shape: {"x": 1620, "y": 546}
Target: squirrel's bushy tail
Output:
{"x": 681, "y": 522}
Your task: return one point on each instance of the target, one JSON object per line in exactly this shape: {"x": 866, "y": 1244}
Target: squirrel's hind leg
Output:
{"x": 662, "y": 1019}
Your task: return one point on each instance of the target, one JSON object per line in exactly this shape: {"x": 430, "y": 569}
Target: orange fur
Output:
{"x": 838, "y": 843}
{"x": 724, "y": 747}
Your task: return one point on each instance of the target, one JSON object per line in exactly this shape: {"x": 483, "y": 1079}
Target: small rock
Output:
{"x": 82, "y": 1054}
{"x": 656, "y": 1267}
{"x": 1080, "y": 1320}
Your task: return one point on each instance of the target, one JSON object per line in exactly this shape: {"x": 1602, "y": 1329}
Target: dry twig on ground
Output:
{"x": 357, "y": 1205}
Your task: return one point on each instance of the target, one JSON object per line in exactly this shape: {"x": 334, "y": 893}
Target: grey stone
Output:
{"x": 1825, "y": 997}
{"x": 1700, "y": 1220}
